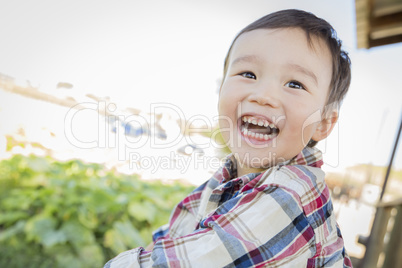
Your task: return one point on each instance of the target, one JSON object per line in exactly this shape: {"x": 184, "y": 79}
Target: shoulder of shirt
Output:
{"x": 299, "y": 179}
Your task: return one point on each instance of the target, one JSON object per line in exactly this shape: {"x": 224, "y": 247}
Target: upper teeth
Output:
{"x": 259, "y": 122}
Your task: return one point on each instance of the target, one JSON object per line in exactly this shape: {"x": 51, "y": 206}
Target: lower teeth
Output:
{"x": 257, "y": 135}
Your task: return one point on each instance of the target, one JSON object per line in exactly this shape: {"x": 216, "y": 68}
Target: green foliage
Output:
{"x": 73, "y": 214}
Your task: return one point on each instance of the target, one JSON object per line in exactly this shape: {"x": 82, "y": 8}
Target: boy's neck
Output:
{"x": 241, "y": 171}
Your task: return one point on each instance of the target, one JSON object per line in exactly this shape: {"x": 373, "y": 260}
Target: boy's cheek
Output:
{"x": 307, "y": 133}
{"x": 226, "y": 128}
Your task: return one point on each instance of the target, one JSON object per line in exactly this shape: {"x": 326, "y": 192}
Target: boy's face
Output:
{"x": 273, "y": 95}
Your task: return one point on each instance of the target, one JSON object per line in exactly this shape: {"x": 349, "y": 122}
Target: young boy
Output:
{"x": 268, "y": 206}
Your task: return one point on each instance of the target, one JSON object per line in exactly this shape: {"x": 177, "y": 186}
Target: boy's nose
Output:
{"x": 265, "y": 96}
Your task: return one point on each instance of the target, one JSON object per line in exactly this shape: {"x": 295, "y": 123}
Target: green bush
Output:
{"x": 74, "y": 214}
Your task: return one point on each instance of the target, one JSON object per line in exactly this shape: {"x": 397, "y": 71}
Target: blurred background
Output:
{"x": 108, "y": 118}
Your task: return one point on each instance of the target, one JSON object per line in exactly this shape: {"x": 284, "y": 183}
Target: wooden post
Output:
{"x": 376, "y": 240}
{"x": 393, "y": 253}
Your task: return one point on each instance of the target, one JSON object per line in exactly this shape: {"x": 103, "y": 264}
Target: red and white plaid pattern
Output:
{"x": 282, "y": 217}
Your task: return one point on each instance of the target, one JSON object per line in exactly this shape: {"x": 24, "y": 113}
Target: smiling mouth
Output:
{"x": 258, "y": 128}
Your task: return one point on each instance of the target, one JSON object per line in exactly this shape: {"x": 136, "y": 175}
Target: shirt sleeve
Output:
{"x": 265, "y": 225}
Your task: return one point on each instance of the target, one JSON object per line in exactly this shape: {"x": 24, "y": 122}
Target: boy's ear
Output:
{"x": 326, "y": 125}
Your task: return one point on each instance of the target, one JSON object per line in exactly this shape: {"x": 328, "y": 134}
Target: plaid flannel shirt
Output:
{"x": 282, "y": 217}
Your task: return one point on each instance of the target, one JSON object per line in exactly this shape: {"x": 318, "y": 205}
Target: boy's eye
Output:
{"x": 295, "y": 84}
{"x": 248, "y": 75}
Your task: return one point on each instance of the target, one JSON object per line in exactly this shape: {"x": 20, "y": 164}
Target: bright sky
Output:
{"x": 142, "y": 52}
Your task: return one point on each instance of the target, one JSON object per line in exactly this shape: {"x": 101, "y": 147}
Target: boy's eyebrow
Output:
{"x": 246, "y": 58}
{"x": 304, "y": 71}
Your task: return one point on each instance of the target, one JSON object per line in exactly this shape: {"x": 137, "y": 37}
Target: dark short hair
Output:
{"x": 312, "y": 26}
